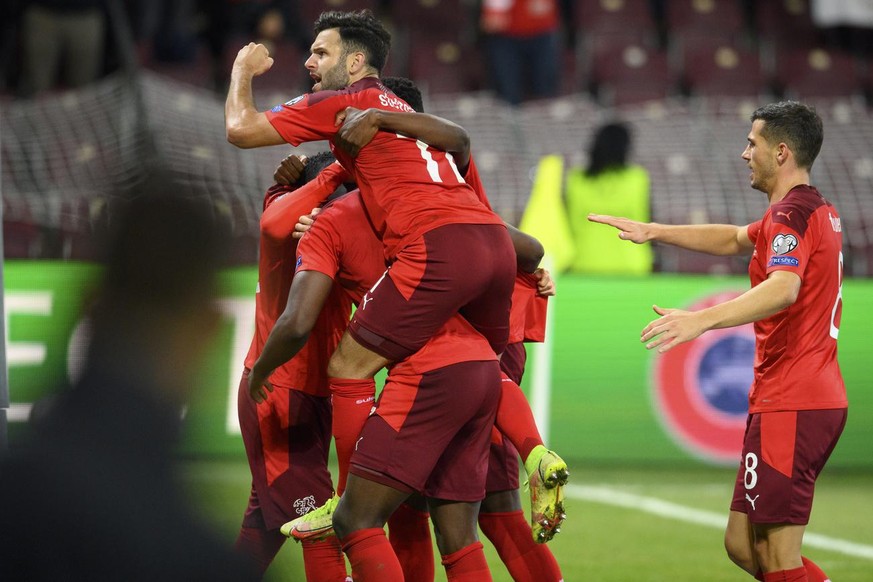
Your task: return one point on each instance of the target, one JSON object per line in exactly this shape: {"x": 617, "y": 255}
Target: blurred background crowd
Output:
{"x": 99, "y": 93}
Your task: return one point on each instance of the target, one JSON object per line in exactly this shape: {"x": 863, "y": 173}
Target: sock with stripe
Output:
{"x": 515, "y": 419}
{"x": 352, "y": 401}
{"x": 409, "y": 534}
{"x": 323, "y": 560}
{"x": 794, "y": 575}
{"x": 526, "y": 560}
{"x": 371, "y": 556}
{"x": 467, "y": 565}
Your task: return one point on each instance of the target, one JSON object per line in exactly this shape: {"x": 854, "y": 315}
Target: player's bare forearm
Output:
{"x": 528, "y": 250}
{"x": 245, "y": 126}
{"x": 432, "y": 130}
{"x": 676, "y": 326}
{"x": 713, "y": 239}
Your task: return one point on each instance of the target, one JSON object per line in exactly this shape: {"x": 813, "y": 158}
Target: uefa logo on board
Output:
{"x": 701, "y": 388}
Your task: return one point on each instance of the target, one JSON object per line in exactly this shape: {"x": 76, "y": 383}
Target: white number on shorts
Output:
{"x": 750, "y": 479}
{"x": 433, "y": 169}
{"x": 835, "y": 331}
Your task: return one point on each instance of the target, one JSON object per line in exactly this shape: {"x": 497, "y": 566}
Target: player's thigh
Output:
{"x": 466, "y": 268}
{"x": 455, "y": 522}
{"x": 777, "y": 546}
{"x": 738, "y": 542}
{"x": 353, "y": 360}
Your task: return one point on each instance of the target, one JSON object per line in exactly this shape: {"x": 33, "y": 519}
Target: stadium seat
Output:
{"x": 624, "y": 72}
{"x": 817, "y": 72}
{"x": 612, "y": 16}
{"x": 786, "y": 23}
{"x": 442, "y": 64}
{"x": 719, "y": 18}
{"x": 434, "y": 15}
{"x": 714, "y": 67}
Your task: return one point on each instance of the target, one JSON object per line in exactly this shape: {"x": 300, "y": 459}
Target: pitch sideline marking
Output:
{"x": 675, "y": 511}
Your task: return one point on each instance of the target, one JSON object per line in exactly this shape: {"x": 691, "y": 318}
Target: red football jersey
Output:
{"x": 796, "y": 349}
{"x": 408, "y": 188}
{"x": 307, "y": 371}
{"x": 342, "y": 245}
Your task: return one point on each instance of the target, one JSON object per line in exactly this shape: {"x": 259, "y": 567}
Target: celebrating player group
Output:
{"x": 395, "y": 220}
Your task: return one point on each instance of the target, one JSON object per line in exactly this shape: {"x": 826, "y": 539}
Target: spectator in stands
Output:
{"x": 848, "y": 24}
{"x": 265, "y": 22}
{"x": 609, "y": 185}
{"x": 523, "y": 47}
{"x": 61, "y": 35}
{"x": 93, "y": 496}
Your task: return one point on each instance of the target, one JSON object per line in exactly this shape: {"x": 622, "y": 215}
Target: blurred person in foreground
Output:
{"x": 93, "y": 495}
{"x": 608, "y": 185}
{"x": 797, "y": 402}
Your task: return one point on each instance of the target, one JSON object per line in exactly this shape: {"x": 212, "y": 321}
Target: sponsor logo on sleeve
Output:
{"x": 299, "y": 263}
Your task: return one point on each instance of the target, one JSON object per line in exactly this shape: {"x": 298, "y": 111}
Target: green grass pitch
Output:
{"x": 605, "y": 542}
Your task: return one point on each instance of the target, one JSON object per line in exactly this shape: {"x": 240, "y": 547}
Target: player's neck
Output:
{"x": 363, "y": 75}
{"x": 785, "y": 183}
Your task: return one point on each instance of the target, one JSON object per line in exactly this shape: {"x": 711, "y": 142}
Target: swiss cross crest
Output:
{"x": 305, "y": 504}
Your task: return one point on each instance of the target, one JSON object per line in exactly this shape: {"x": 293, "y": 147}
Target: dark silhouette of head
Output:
{"x": 609, "y": 148}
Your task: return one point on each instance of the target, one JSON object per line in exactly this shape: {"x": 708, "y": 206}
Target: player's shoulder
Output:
{"x": 795, "y": 210}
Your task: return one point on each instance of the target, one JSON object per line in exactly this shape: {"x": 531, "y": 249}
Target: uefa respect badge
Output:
{"x": 701, "y": 388}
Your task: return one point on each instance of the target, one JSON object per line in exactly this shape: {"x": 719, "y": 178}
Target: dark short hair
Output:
{"x": 609, "y": 148}
{"x": 359, "y": 31}
{"x": 795, "y": 124}
{"x": 406, "y": 90}
{"x": 315, "y": 165}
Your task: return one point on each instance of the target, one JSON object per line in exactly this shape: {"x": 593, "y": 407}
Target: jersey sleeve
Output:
{"x": 321, "y": 248}
{"x": 283, "y": 210}
{"x": 787, "y": 248}
{"x": 753, "y": 231}
{"x": 471, "y": 176}
{"x": 308, "y": 117}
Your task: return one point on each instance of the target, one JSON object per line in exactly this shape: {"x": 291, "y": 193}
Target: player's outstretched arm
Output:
{"x": 713, "y": 239}
{"x": 245, "y": 126}
{"x": 675, "y": 326}
{"x": 360, "y": 126}
{"x": 309, "y": 291}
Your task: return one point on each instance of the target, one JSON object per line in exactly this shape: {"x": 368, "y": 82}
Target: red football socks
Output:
{"x": 813, "y": 572}
{"x": 515, "y": 419}
{"x": 467, "y": 565}
{"x": 795, "y": 575}
{"x": 371, "y": 556}
{"x": 809, "y": 572}
{"x": 526, "y": 560}
{"x": 259, "y": 545}
{"x": 323, "y": 560}
{"x": 352, "y": 401}
{"x": 409, "y": 534}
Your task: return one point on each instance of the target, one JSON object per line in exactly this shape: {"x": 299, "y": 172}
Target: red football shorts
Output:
{"x": 431, "y": 432}
{"x": 458, "y": 268}
{"x": 287, "y": 441}
{"x": 783, "y": 454}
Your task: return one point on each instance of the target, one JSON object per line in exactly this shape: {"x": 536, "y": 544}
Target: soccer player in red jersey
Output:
{"x": 292, "y": 327}
{"x": 287, "y": 439}
{"x": 448, "y": 252}
{"x": 797, "y": 402}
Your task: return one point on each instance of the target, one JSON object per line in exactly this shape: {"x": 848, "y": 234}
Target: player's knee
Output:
{"x": 342, "y": 522}
{"x": 740, "y": 553}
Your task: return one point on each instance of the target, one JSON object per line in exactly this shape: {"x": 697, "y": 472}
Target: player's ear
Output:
{"x": 357, "y": 62}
